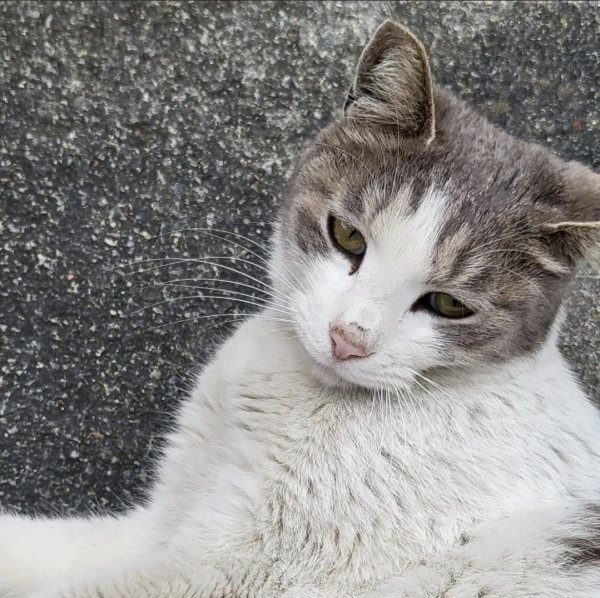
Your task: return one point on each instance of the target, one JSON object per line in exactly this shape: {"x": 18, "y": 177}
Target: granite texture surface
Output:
{"x": 121, "y": 122}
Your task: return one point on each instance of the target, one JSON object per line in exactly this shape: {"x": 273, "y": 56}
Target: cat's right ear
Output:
{"x": 579, "y": 236}
{"x": 393, "y": 86}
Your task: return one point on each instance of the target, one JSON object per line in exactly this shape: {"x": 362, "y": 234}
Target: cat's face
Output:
{"x": 415, "y": 235}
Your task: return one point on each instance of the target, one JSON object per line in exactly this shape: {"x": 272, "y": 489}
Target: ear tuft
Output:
{"x": 393, "y": 84}
{"x": 578, "y": 235}
{"x": 574, "y": 240}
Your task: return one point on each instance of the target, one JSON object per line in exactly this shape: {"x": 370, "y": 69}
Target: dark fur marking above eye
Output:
{"x": 308, "y": 232}
{"x": 355, "y": 203}
{"x": 418, "y": 187}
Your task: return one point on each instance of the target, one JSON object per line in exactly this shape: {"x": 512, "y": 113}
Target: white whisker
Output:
{"x": 175, "y": 299}
{"x": 207, "y": 261}
{"x": 221, "y": 290}
{"x": 228, "y": 315}
{"x": 212, "y": 233}
{"x": 175, "y": 282}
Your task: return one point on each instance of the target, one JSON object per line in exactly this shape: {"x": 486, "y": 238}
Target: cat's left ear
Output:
{"x": 392, "y": 86}
{"x": 579, "y": 236}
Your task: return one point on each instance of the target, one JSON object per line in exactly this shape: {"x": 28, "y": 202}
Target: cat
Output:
{"x": 398, "y": 422}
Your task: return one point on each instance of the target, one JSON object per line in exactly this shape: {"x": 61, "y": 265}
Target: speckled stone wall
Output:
{"x": 121, "y": 122}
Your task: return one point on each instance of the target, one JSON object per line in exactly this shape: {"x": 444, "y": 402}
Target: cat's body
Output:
{"x": 289, "y": 485}
{"x": 465, "y": 462}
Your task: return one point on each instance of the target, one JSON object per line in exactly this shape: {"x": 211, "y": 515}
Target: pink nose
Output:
{"x": 343, "y": 347}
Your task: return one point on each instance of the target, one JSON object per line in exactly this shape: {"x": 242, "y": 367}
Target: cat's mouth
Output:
{"x": 351, "y": 373}
{"x": 364, "y": 373}
{"x": 327, "y": 369}
{"x": 341, "y": 360}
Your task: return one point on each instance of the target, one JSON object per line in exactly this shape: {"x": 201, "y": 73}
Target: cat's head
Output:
{"x": 418, "y": 236}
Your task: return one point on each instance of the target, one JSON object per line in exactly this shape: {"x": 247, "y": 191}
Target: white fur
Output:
{"x": 219, "y": 482}
{"x": 284, "y": 478}
{"x": 377, "y": 298}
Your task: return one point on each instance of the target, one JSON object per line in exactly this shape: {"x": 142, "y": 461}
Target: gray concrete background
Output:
{"x": 123, "y": 121}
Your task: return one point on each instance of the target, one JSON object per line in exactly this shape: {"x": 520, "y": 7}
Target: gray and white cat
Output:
{"x": 399, "y": 422}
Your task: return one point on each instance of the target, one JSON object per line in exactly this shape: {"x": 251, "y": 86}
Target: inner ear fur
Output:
{"x": 574, "y": 240}
{"x": 578, "y": 237}
{"x": 393, "y": 85}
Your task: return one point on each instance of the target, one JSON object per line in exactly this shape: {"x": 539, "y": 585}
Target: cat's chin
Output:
{"x": 332, "y": 379}
{"x": 342, "y": 378}
{"x": 329, "y": 376}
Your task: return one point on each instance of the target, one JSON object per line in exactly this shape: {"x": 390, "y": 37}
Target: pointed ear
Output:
{"x": 578, "y": 237}
{"x": 393, "y": 84}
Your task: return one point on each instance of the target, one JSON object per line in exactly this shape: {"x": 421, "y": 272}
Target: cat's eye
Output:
{"x": 444, "y": 305}
{"x": 348, "y": 238}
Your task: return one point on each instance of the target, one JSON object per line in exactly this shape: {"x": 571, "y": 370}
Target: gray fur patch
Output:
{"x": 584, "y": 550}
{"x": 308, "y": 232}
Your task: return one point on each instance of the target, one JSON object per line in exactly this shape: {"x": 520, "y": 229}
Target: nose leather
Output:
{"x": 343, "y": 347}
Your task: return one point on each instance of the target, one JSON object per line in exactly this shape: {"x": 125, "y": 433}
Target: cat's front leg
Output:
{"x": 176, "y": 586}
{"x": 550, "y": 552}
{"x": 36, "y": 554}
{"x": 166, "y": 575}
{"x": 152, "y": 580}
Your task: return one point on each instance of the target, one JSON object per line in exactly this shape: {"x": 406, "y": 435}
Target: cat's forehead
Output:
{"x": 484, "y": 193}
{"x": 489, "y": 177}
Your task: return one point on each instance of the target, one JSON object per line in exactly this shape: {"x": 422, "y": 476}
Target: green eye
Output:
{"x": 346, "y": 237}
{"x": 446, "y": 305}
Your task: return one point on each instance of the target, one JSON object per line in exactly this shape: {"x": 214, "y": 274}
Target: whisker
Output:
{"x": 415, "y": 406}
{"x": 223, "y": 323}
{"x": 269, "y": 252}
{"x": 535, "y": 288}
{"x": 516, "y": 233}
{"x": 175, "y": 299}
{"x": 221, "y": 280}
{"x": 212, "y": 233}
{"x": 350, "y": 155}
{"x": 546, "y": 261}
{"x": 403, "y": 420}
{"x": 170, "y": 261}
{"x": 215, "y": 289}
{"x": 495, "y": 240}
{"x": 438, "y": 401}
{"x": 205, "y": 261}
{"x": 208, "y": 316}
{"x": 523, "y": 251}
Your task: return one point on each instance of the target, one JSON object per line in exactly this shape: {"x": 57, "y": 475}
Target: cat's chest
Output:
{"x": 351, "y": 490}
{"x": 357, "y": 487}
{"x": 269, "y": 465}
